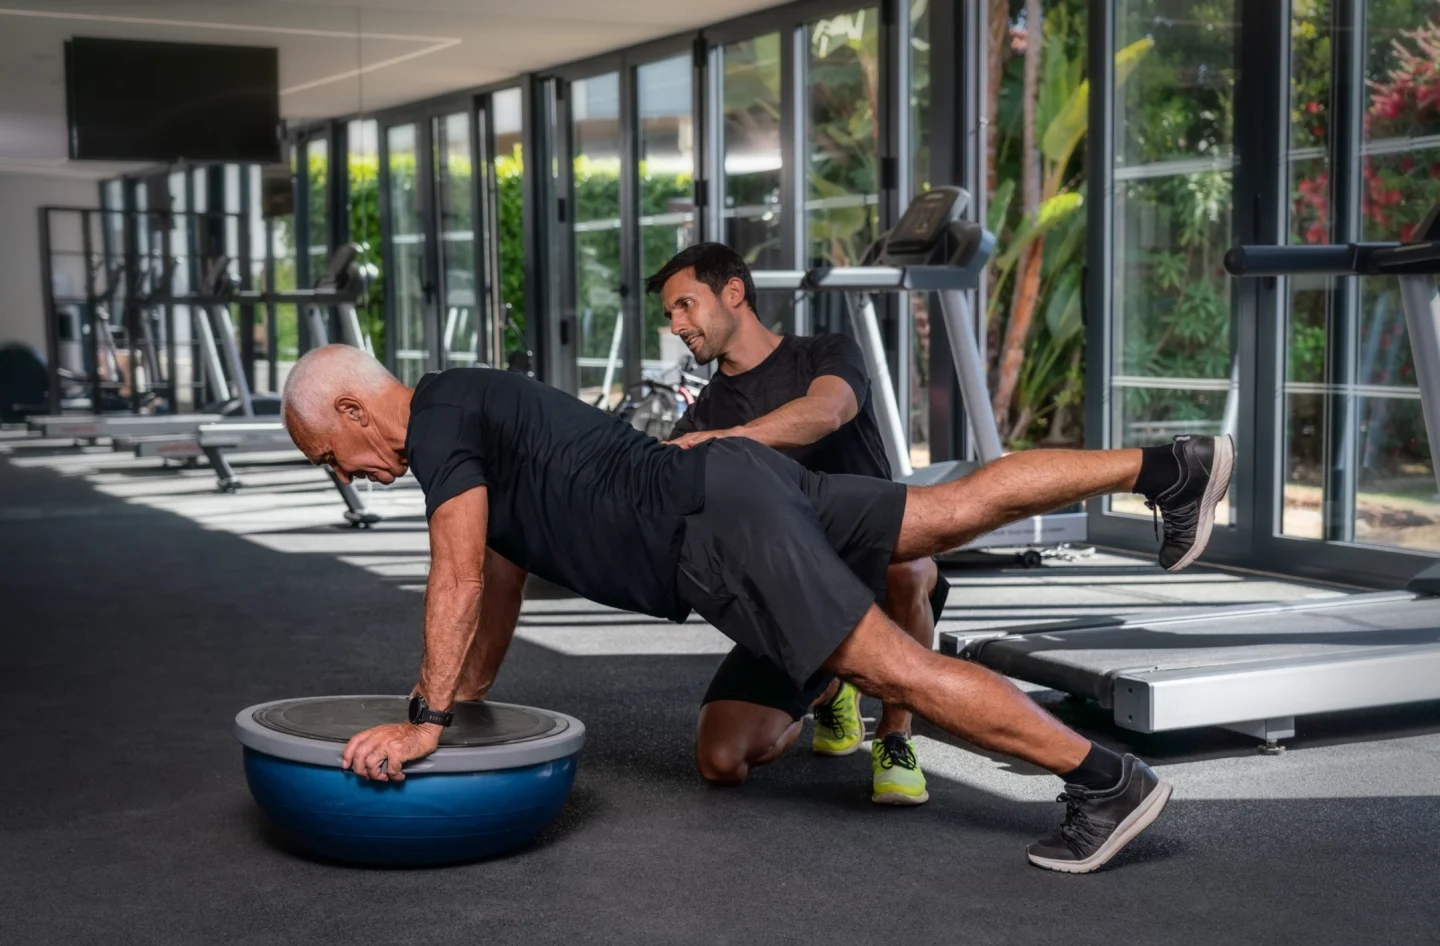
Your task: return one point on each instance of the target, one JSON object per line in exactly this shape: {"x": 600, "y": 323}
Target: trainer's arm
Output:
{"x": 828, "y": 404}
{"x": 453, "y": 593}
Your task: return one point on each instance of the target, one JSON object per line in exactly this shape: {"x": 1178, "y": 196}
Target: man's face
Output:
{"x": 355, "y": 450}
{"x": 704, "y": 321}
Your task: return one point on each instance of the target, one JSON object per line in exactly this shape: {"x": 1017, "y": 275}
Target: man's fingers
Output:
{"x": 361, "y": 761}
{"x": 395, "y": 762}
{"x": 353, "y": 758}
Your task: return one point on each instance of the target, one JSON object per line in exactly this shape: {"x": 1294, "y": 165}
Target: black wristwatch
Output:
{"x": 421, "y": 713}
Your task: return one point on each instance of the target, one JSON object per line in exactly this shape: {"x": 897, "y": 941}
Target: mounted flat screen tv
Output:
{"x": 145, "y": 101}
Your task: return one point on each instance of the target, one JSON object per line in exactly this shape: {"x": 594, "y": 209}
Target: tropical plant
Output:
{"x": 1037, "y": 368}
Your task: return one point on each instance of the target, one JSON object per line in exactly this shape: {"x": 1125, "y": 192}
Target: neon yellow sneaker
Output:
{"x": 839, "y": 728}
{"x": 898, "y": 779}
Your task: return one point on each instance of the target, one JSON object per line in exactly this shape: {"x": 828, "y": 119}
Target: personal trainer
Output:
{"x": 520, "y": 477}
{"x": 809, "y": 398}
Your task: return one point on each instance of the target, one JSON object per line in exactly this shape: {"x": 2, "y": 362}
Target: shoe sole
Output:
{"x": 899, "y": 798}
{"x": 1140, "y": 819}
{"x": 1214, "y": 492}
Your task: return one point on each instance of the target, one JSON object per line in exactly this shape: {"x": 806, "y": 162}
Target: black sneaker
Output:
{"x": 1188, "y": 507}
{"x": 1098, "y": 824}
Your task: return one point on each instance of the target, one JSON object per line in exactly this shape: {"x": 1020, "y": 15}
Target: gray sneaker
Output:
{"x": 1188, "y": 507}
{"x": 1098, "y": 824}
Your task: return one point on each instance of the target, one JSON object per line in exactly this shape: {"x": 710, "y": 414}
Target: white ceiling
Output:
{"x": 336, "y": 57}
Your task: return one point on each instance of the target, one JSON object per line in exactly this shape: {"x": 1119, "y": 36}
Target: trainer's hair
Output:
{"x": 324, "y": 374}
{"x": 715, "y": 264}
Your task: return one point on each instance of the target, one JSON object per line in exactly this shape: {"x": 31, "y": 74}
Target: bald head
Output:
{"x": 324, "y": 375}
{"x": 343, "y": 408}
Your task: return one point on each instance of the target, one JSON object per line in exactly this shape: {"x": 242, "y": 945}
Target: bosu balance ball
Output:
{"x": 501, "y": 774}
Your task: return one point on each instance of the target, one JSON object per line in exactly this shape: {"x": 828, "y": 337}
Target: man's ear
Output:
{"x": 348, "y": 407}
{"x": 734, "y": 293}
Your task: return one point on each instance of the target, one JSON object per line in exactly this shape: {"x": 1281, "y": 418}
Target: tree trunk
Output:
{"x": 1017, "y": 330}
{"x": 1060, "y": 420}
{"x": 997, "y": 49}
{"x": 1027, "y": 284}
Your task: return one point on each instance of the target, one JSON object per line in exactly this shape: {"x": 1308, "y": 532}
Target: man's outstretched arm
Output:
{"x": 452, "y": 613}
{"x": 504, "y": 593}
{"x": 453, "y": 593}
{"x": 827, "y": 405}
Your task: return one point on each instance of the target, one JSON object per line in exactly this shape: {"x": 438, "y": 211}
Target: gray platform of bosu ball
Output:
{"x": 1250, "y": 668}
{"x": 483, "y": 736}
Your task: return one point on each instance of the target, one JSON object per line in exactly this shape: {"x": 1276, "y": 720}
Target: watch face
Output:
{"x": 417, "y": 707}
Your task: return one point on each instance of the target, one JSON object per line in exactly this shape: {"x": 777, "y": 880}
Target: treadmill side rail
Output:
{"x": 1245, "y": 693}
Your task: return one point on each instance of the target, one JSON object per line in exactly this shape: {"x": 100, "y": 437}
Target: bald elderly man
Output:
{"x": 520, "y": 477}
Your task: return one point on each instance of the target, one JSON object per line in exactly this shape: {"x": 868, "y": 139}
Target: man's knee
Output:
{"x": 722, "y": 763}
{"x": 911, "y": 582}
{"x": 880, "y": 659}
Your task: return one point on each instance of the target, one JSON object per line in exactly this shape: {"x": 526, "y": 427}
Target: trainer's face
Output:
{"x": 354, "y": 447}
{"x": 703, "y": 320}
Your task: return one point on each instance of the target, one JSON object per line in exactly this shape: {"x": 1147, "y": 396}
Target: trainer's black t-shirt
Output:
{"x": 732, "y": 400}
{"x": 577, "y": 497}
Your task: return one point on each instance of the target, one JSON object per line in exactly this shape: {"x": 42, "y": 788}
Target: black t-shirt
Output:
{"x": 577, "y": 497}
{"x": 731, "y": 400}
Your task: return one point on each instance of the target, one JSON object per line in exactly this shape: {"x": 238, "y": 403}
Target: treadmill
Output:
{"x": 932, "y": 249}
{"x": 214, "y": 436}
{"x": 1254, "y": 668}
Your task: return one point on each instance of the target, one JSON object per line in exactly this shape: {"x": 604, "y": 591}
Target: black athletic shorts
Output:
{"x": 750, "y": 679}
{"x": 784, "y": 561}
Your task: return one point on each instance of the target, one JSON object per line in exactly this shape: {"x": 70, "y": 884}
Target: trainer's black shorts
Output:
{"x": 750, "y": 679}
{"x": 784, "y": 561}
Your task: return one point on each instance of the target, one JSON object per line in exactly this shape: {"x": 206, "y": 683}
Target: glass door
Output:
{"x": 454, "y": 139}
{"x": 667, "y": 191}
{"x": 411, "y": 292}
{"x": 599, "y": 279}
{"x": 317, "y": 207}
{"x": 505, "y": 133}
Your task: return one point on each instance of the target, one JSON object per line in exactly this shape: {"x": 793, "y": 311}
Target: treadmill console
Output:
{"x": 925, "y": 221}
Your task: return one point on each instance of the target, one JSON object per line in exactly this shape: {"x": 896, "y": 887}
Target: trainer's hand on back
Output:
{"x": 381, "y": 752}
{"x": 686, "y": 441}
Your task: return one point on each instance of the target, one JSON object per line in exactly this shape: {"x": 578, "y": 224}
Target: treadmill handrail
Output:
{"x": 856, "y": 278}
{"x": 778, "y": 280}
{"x": 1337, "y": 259}
{"x": 926, "y": 278}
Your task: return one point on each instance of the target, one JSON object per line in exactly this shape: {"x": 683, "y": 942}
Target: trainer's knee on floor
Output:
{"x": 722, "y": 763}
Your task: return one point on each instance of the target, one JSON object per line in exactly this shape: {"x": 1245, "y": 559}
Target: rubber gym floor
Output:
{"x": 141, "y": 611}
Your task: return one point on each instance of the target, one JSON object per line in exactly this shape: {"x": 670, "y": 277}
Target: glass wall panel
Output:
{"x": 919, "y": 156}
{"x": 1309, "y": 312}
{"x": 317, "y": 186}
{"x": 508, "y": 119}
{"x": 751, "y": 157}
{"x": 595, "y": 140}
{"x": 1034, "y": 341}
{"x": 1395, "y": 501}
{"x": 363, "y": 187}
{"x": 842, "y": 187}
{"x": 1174, "y": 101}
{"x": 284, "y": 247}
{"x": 454, "y": 189}
{"x": 407, "y": 241}
{"x": 667, "y": 191}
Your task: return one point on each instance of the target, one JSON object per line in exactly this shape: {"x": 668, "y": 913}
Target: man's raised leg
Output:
{"x": 1109, "y": 799}
{"x": 1183, "y": 481}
